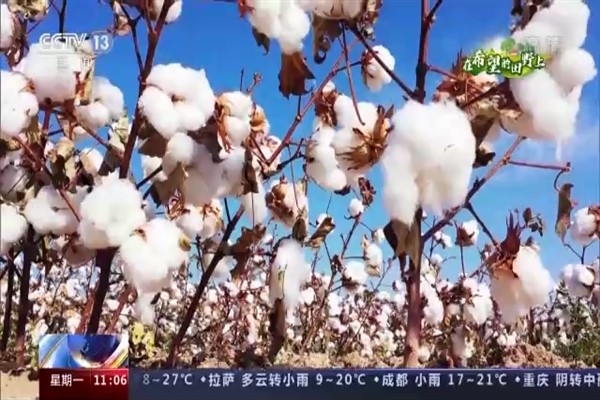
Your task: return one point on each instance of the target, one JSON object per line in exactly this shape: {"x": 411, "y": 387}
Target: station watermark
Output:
{"x": 513, "y": 59}
{"x": 97, "y": 42}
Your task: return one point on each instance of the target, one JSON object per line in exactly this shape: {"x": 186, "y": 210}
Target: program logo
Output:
{"x": 512, "y": 60}
{"x": 100, "y": 42}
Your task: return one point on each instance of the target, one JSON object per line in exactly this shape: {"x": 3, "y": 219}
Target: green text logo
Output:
{"x": 513, "y": 60}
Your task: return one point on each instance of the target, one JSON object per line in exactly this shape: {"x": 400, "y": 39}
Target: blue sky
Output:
{"x": 211, "y": 35}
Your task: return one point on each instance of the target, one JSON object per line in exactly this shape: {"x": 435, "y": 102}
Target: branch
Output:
{"x": 191, "y": 310}
{"x": 471, "y": 209}
{"x": 565, "y": 168}
{"x": 62, "y": 17}
{"x": 23, "y": 313}
{"x": 153, "y": 37}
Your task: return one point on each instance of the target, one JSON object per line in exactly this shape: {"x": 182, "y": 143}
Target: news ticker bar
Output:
{"x": 224, "y": 384}
{"x": 89, "y": 384}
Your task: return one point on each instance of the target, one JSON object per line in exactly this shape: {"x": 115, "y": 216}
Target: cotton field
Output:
{"x": 178, "y": 215}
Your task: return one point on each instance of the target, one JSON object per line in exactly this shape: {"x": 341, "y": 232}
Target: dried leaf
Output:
{"x": 528, "y": 215}
{"x": 483, "y": 157}
{"x": 30, "y": 9}
{"x": 293, "y": 75}
{"x": 367, "y": 191}
{"x": 318, "y": 237}
{"x": 249, "y": 175}
{"x": 404, "y": 239}
{"x": 154, "y": 146}
{"x": 374, "y": 271}
{"x": 481, "y": 125}
{"x": 6, "y": 146}
{"x": 241, "y": 249}
{"x": 300, "y": 228}
{"x": 62, "y": 161}
{"x": 563, "y": 214}
{"x": 325, "y": 31}
{"x": 262, "y": 40}
{"x": 162, "y": 191}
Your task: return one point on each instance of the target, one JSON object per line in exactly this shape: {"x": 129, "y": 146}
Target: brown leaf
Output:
{"x": 249, "y": 175}
{"x": 30, "y": 9}
{"x": 404, "y": 239}
{"x": 293, "y": 75}
{"x": 241, "y": 249}
{"x": 481, "y": 125}
{"x": 154, "y": 145}
{"x": 318, "y": 237}
{"x": 262, "y": 40}
{"x": 325, "y": 31}
{"x": 276, "y": 328}
{"x": 528, "y": 215}
{"x": 367, "y": 191}
{"x": 374, "y": 271}
{"x": 483, "y": 157}
{"x": 162, "y": 191}
{"x": 300, "y": 228}
{"x": 563, "y": 214}
{"x": 62, "y": 161}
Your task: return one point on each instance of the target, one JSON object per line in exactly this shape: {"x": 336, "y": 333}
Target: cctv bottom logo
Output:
{"x": 101, "y": 42}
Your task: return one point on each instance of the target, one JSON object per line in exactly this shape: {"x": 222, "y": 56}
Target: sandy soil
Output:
{"x": 18, "y": 387}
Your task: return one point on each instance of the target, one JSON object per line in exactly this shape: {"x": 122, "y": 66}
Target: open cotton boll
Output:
{"x": 374, "y": 75}
{"x": 585, "y": 227}
{"x": 48, "y": 212}
{"x": 181, "y": 148}
{"x": 569, "y": 20}
{"x": 7, "y": 27}
{"x": 333, "y": 9}
{"x": 91, "y": 160}
{"x": 433, "y": 312}
{"x": 264, "y": 16}
{"x": 152, "y": 253}
{"x": 289, "y": 272}
{"x": 172, "y": 14}
{"x": 109, "y": 95}
{"x": 579, "y": 279}
{"x": 347, "y": 118}
{"x": 571, "y": 68}
{"x": 373, "y": 255}
{"x": 110, "y": 213}
{"x": 156, "y": 106}
{"x": 190, "y": 116}
{"x": 14, "y": 227}
{"x": 53, "y": 72}
{"x": 321, "y": 162}
{"x": 17, "y": 104}
{"x": 400, "y": 191}
{"x": 93, "y": 116}
{"x": 553, "y": 116}
{"x": 149, "y": 165}
{"x": 354, "y": 274}
{"x": 255, "y": 205}
{"x": 13, "y": 179}
{"x": 143, "y": 308}
{"x": 355, "y": 208}
{"x": 73, "y": 251}
{"x": 295, "y": 25}
{"x": 191, "y": 221}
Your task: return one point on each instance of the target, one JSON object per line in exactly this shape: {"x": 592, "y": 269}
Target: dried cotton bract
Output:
{"x": 428, "y": 160}
{"x": 287, "y": 201}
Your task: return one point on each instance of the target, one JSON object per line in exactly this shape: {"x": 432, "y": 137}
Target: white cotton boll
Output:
{"x": 553, "y": 117}
{"x": 53, "y": 72}
{"x": 424, "y": 354}
{"x": 152, "y": 254}
{"x": 222, "y": 268}
{"x": 144, "y": 310}
{"x": 7, "y": 26}
{"x": 373, "y": 255}
{"x": 191, "y": 221}
{"x": 322, "y": 167}
{"x": 109, "y": 95}
{"x": 376, "y": 76}
{"x": 579, "y": 279}
{"x": 462, "y": 346}
{"x": 348, "y": 119}
{"x": 48, "y": 212}
{"x": 149, "y": 165}
{"x": 73, "y": 251}
{"x": 156, "y": 106}
{"x": 14, "y": 227}
{"x": 400, "y": 191}
{"x": 354, "y": 272}
{"x": 110, "y": 213}
{"x": 479, "y": 310}
{"x": 355, "y": 208}
{"x": 308, "y": 296}
{"x": 289, "y": 271}
{"x": 91, "y": 160}
{"x": 181, "y": 148}
{"x": 93, "y": 116}
{"x": 18, "y": 104}
{"x": 572, "y": 68}
{"x": 433, "y": 312}
{"x": 264, "y": 16}
{"x": 255, "y": 205}
{"x": 189, "y": 115}
{"x": 584, "y": 227}
{"x": 295, "y": 25}
{"x": 568, "y": 19}
{"x": 470, "y": 229}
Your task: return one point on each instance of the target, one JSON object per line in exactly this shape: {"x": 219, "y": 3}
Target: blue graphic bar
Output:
{"x": 70, "y": 351}
{"x": 224, "y": 384}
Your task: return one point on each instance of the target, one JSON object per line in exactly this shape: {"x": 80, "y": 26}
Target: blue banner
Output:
{"x": 296, "y": 384}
